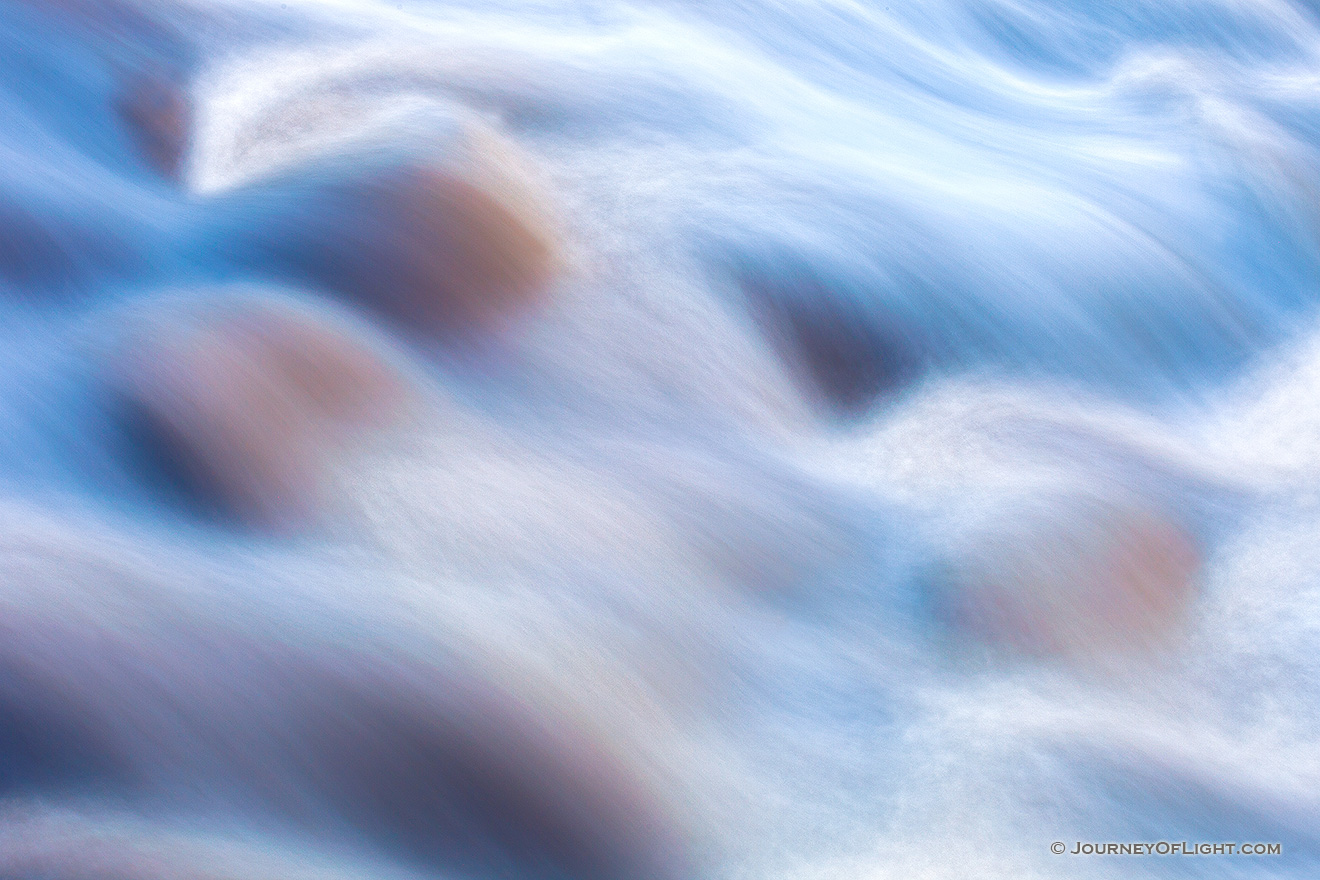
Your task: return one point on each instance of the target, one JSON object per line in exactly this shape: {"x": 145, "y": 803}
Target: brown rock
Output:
{"x": 1092, "y": 578}
{"x": 158, "y": 113}
{"x": 440, "y": 247}
{"x": 144, "y": 47}
{"x": 245, "y": 407}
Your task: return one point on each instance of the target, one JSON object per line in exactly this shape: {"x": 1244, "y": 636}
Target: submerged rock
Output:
{"x": 422, "y": 214}
{"x": 434, "y": 251}
{"x": 1083, "y": 577}
{"x": 434, "y": 248}
{"x": 848, "y": 353}
{"x": 466, "y": 775}
{"x": 244, "y": 406}
{"x": 157, "y": 110}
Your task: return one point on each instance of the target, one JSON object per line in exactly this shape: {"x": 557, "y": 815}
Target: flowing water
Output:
{"x": 659, "y": 439}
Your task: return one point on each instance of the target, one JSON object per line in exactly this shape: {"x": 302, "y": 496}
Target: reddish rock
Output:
{"x": 1092, "y": 579}
{"x": 143, "y": 46}
{"x": 440, "y": 247}
{"x": 246, "y": 406}
{"x": 157, "y": 111}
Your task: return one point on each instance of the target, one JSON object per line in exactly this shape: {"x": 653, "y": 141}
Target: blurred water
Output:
{"x": 867, "y": 325}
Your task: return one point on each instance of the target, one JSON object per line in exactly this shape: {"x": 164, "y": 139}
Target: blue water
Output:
{"x": 857, "y": 307}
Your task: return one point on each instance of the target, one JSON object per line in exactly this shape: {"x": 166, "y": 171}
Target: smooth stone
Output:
{"x": 146, "y": 49}
{"x": 245, "y": 406}
{"x": 442, "y": 245}
{"x": 846, "y": 354}
{"x": 1084, "y": 579}
{"x": 158, "y": 113}
{"x": 470, "y": 776}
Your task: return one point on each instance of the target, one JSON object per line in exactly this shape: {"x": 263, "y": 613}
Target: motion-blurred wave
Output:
{"x": 621, "y": 440}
